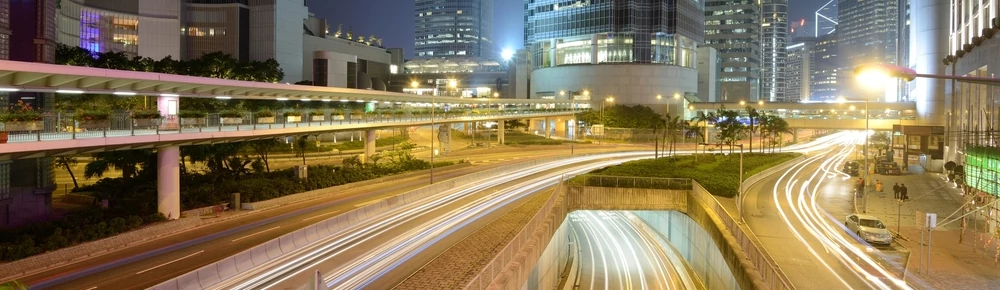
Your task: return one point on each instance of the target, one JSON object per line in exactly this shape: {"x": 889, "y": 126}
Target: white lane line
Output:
{"x": 167, "y": 263}
{"x": 254, "y": 234}
{"x": 92, "y": 288}
{"x": 322, "y": 215}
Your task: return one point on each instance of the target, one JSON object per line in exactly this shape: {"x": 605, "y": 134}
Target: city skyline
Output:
{"x": 370, "y": 17}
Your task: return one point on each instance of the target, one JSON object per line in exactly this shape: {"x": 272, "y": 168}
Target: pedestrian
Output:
{"x": 860, "y": 186}
{"x": 903, "y": 192}
{"x": 878, "y": 188}
{"x": 895, "y": 190}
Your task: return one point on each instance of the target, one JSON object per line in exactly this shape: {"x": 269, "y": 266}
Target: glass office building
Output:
{"x": 734, "y": 28}
{"x": 445, "y": 28}
{"x": 613, "y": 31}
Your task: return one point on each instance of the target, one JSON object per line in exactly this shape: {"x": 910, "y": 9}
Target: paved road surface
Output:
{"x": 807, "y": 240}
{"x": 613, "y": 254}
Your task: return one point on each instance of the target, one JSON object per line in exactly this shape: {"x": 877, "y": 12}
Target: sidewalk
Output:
{"x": 953, "y": 265}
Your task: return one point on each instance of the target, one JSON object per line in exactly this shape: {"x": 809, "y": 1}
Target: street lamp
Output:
{"x": 609, "y": 99}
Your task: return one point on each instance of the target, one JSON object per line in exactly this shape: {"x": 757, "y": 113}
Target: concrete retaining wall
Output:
{"x": 616, "y": 198}
{"x": 48, "y": 260}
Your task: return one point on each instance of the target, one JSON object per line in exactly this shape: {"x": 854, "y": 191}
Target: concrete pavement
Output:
{"x": 953, "y": 264}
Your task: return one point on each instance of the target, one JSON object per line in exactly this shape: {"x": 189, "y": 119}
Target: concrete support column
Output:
{"x": 795, "y": 135}
{"x": 369, "y": 143}
{"x": 548, "y": 128}
{"x": 930, "y": 21}
{"x": 501, "y": 127}
{"x": 561, "y": 127}
{"x": 593, "y": 49}
{"x": 552, "y": 52}
{"x": 168, "y": 181}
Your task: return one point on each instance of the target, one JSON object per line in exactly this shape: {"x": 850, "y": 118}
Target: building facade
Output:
{"x": 448, "y": 28}
{"x": 869, "y": 33}
{"x": 774, "y": 42}
{"x": 709, "y": 68}
{"x": 798, "y": 73}
{"x": 27, "y": 33}
{"x": 826, "y": 18}
{"x": 334, "y": 61}
{"x": 633, "y": 50}
{"x": 734, "y": 29}
{"x": 825, "y": 69}
{"x": 246, "y": 29}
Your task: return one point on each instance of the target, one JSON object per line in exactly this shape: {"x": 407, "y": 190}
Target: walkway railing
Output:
{"x": 632, "y": 182}
{"x": 67, "y": 126}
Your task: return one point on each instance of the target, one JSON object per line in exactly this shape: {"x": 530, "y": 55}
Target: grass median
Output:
{"x": 718, "y": 173}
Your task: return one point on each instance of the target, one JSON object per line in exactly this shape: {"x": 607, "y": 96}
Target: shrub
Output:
{"x": 293, "y": 114}
{"x": 232, "y": 114}
{"x": 717, "y": 173}
{"x": 264, "y": 114}
{"x": 146, "y": 114}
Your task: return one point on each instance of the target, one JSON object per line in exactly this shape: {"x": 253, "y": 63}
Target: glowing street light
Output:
{"x": 761, "y": 102}
{"x": 743, "y": 103}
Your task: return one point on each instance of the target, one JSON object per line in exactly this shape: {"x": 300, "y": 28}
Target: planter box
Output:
{"x": 22, "y": 126}
{"x": 317, "y": 118}
{"x": 357, "y": 117}
{"x": 95, "y": 124}
{"x": 232, "y": 121}
{"x": 293, "y": 119}
{"x": 265, "y": 120}
{"x": 193, "y": 121}
{"x": 147, "y": 122}
{"x": 338, "y": 117}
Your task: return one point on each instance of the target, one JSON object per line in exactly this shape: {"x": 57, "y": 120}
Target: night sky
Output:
{"x": 392, "y": 20}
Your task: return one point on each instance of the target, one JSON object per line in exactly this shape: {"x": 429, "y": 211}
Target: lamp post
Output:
{"x": 609, "y": 99}
{"x": 572, "y": 101}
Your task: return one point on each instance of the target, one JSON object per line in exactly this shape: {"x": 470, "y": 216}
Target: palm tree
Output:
{"x": 752, "y": 113}
{"x": 730, "y": 128}
{"x": 130, "y": 162}
{"x": 779, "y": 128}
{"x": 703, "y": 119}
{"x": 68, "y": 162}
{"x": 764, "y": 124}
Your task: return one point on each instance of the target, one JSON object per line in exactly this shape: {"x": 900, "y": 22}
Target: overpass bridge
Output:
{"x": 826, "y": 115}
{"x": 58, "y": 134}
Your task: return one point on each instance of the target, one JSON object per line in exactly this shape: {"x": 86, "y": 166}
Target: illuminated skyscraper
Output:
{"x": 826, "y": 18}
{"x": 774, "y": 40}
{"x": 453, "y": 28}
{"x": 734, "y": 29}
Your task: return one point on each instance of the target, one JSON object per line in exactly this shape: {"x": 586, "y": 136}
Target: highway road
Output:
{"x": 381, "y": 252}
{"x": 798, "y": 217}
{"x": 613, "y": 254}
{"x": 149, "y": 263}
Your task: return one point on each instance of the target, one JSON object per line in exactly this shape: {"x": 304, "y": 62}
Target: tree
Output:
{"x": 263, "y": 149}
{"x": 730, "y": 129}
{"x": 778, "y": 129}
{"x": 300, "y": 147}
{"x": 67, "y": 162}
{"x": 703, "y": 119}
{"x": 130, "y": 162}
{"x": 752, "y": 113}
{"x": 73, "y": 55}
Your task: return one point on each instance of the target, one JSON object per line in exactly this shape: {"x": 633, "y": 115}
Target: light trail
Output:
{"x": 311, "y": 256}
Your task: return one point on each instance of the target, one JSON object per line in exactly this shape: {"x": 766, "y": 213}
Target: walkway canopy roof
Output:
{"x": 38, "y": 77}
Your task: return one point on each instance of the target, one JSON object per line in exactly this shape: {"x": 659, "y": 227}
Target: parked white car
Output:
{"x": 869, "y": 228}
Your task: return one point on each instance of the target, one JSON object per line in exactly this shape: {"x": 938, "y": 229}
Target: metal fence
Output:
{"x": 772, "y": 276}
{"x": 67, "y": 126}
{"x": 632, "y": 182}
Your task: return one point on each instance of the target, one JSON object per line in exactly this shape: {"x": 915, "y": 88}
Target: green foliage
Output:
{"x": 621, "y": 116}
{"x": 357, "y": 145}
{"x": 265, "y": 113}
{"x": 146, "y": 114}
{"x": 93, "y": 115}
{"x": 215, "y": 64}
{"x": 77, "y": 227}
{"x": 20, "y": 112}
{"x": 232, "y": 113}
{"x": 719, "y": 174}
{"x": 293, "y": 114}
{"x": 192, "y": 114}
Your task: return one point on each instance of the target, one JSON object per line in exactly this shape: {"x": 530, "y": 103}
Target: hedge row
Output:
{"x": 718, "y": 173}
{"x": 76, "y": 228}
{"x": 357, "y": 145}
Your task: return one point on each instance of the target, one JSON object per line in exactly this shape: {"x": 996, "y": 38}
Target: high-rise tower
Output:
{"x": 453, "y": 28}
{"x": 826, "y": 18}
{"x": 733, "y": 27}
{"x": 774, "y": 40}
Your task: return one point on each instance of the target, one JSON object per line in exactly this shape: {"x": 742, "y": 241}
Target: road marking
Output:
{"x": 325, "y": 214}
{"x": 254, "y": 234}
{"x": 167, "y": 263}
{"x": 92, "y": 288}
